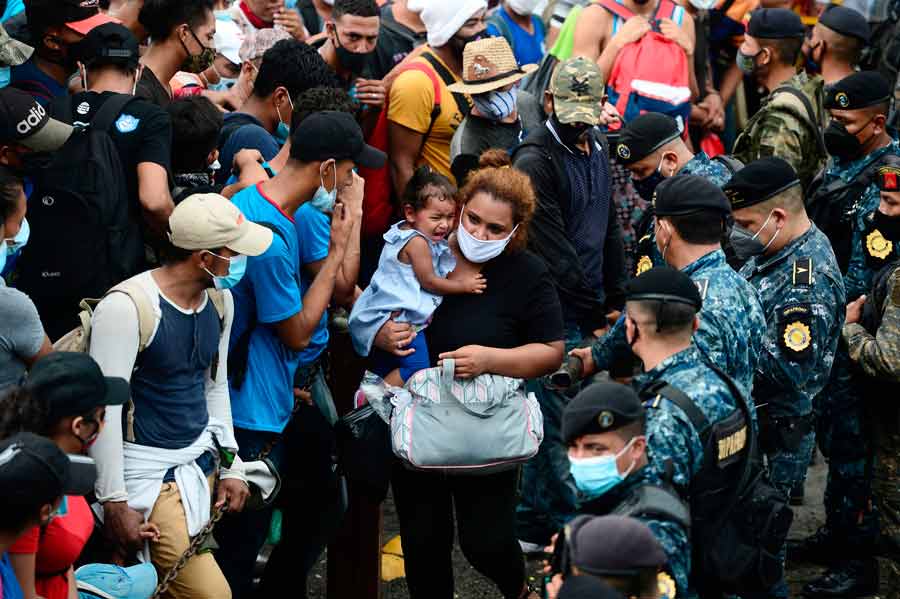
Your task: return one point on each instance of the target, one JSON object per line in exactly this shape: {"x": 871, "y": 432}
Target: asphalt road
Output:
{"x": 471, "y": 585}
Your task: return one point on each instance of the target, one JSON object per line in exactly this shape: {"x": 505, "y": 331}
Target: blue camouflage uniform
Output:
{"x": 803, "y": 297}
{"x": 850, "y": 517}
{"x": 732, "y": 322}
{"x": 700, "y": 165}
{"x": 672, "y": 535}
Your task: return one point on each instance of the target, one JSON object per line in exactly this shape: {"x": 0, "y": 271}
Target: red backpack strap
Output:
{"x": 665, "y": 10}
{"x": 423, "y": 68}
{"x": 620, "y": 10}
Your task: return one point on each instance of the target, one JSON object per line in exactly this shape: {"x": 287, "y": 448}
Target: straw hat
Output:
{"x": 489, "y": 64}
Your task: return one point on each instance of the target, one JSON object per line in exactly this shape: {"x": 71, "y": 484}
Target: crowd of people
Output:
{"x": 661, "y": 237}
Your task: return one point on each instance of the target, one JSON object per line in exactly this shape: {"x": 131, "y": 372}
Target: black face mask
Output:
{"x": 354, "y": 62}
{"x": 842, "y": 144}
{"x": 646, "y": 186}
{"x": 570, "y": 135}
{"x": 888, "y": 225}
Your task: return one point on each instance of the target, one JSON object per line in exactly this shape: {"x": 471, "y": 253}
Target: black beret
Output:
{"x": 759, "y": 181}
{"x": 613, "y": 545}
{"x": 664, "y": 283}
{"x": 846, "y": 21}
{"x": 644, "y": 135}
{"x": 587, "y": 587}
{"x": 600, "y": 408}
{"x": 687, "y": 194}
{"x": 775, "y": 23}
{"x": 859, "y": 90}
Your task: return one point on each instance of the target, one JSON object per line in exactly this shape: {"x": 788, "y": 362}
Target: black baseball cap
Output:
{"x": 34, "y": 466}
{"x": 600, "y": 408}
{"x": 72, "y": 384}
{"x": 587, "y": 587}
{"x": 688, "y": 194}
{"x": 613, "y": 546}
{"x": 24, "y": 121}
{"x": 332, "y": 134}
{"x": 110, "y": 43}
{"x": 78, "y": 15}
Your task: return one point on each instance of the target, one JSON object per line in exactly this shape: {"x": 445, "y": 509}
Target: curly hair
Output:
{"x": 497, "y": 178}
{"x": 424, "y": 185}
{"x": 21, "y": 412}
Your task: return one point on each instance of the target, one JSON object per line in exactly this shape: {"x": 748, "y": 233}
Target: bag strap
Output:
{"x": 110, "y": 111}
{"x": 448, "y": 374}
{"x": 678, "y": 397}
{"x": 146, "y": 313}
{"x": 436, "y": 108}
{"x": 620, "y": 10}
{"x": 730, "y": 162}
{"x": 461, "y": 102}
{"x": 810, "y": 111}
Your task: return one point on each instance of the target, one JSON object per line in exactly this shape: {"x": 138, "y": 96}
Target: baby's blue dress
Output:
{"x": 394, "y": 288}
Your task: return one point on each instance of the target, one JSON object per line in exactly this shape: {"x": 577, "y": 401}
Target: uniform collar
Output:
{"x": 675, "y": 362}
{"x": 711, "y": 260}
{"x": 785, "y": 252}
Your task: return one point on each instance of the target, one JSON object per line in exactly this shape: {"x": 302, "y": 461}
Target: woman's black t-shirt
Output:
{"x": 519, "y": 306}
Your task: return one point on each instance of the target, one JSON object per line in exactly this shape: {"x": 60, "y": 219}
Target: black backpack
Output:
{"x": 739, "y": 521}
{"x": 831, "y": 206}
{"x": 86, "y": 235}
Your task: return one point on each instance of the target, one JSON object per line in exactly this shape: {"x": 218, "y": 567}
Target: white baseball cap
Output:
{"x": 206, "y": 221}
{"x": 228, "y": 39}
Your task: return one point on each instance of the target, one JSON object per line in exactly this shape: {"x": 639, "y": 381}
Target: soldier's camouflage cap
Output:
{"x": 578, "y": 88}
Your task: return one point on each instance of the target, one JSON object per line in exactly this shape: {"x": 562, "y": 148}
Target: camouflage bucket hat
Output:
{"x": 12, "y": 52}
{"x": 578, "y": 89}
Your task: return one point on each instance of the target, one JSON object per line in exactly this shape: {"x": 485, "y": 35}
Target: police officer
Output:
{"x": 789, "y": 120}
{"x": 872, "y": 334}
{"x": 845, "y": 202}
{"x": 604, "y": 429}
{"x": 652, "y": 149}
{"x": 690, "y": 216}
{"x": 836, "y": 43}
{"x": 802, "y": 293}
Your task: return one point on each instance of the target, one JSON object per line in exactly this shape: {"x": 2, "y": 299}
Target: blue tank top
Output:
{"x": 168, "y": 386}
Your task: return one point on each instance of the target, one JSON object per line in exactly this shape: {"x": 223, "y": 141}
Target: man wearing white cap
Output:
{"x": 419, "y": 133}
{"x": 167, "y": 332}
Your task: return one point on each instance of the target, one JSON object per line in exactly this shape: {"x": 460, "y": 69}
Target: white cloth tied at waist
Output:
{"x": 145, "y": 468}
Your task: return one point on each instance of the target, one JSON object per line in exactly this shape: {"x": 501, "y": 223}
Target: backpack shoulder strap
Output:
{"x": 730, "y": 162}
{"x": 461, "y": 102}
{"x": 654, "y": 501}
{"x": 810, "y": 112}
{"x": 110, "y": 110}
{"x": 217, "y": 297}
{"x": 680, "y": 398}
{"x": 145, "y": 311}
{"x": 620, "y": 10}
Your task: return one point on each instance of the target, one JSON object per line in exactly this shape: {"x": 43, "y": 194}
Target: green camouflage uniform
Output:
{"x": 878, "y": 355}
{"x": 783, "y": 127}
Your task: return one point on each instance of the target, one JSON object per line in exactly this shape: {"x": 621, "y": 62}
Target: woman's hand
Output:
{"x": 393, "y": 337}
{"x": 470, "y": 361}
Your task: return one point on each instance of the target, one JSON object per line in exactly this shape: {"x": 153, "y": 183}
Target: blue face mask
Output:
{"x": 224, "y": 84}
{"x": 18, "y": 242}
{"x": 324, "y": 200}
{"x": 237, "y": 266}
{"x": 4, "y": 77}
{"x": 2, "y": 255}
{"x": 283, "y": 132}
{"x": 595, "y": 476}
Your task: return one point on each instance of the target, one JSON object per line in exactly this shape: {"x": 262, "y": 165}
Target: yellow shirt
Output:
{"x": 410, "y": 105}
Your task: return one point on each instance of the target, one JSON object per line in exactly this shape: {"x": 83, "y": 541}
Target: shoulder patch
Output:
{"x": 702, "y": 287}
{"x": 795, "y": 330}
{"x": 802, "y": 274}
{"x": 127, "y": 123}
{"x": 643, "y": 265}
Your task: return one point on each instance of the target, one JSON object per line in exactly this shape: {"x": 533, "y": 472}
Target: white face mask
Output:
{"x": 703, "y": 4}
{"x": 477, "y": 250}
{"x": 523, "y": 7}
